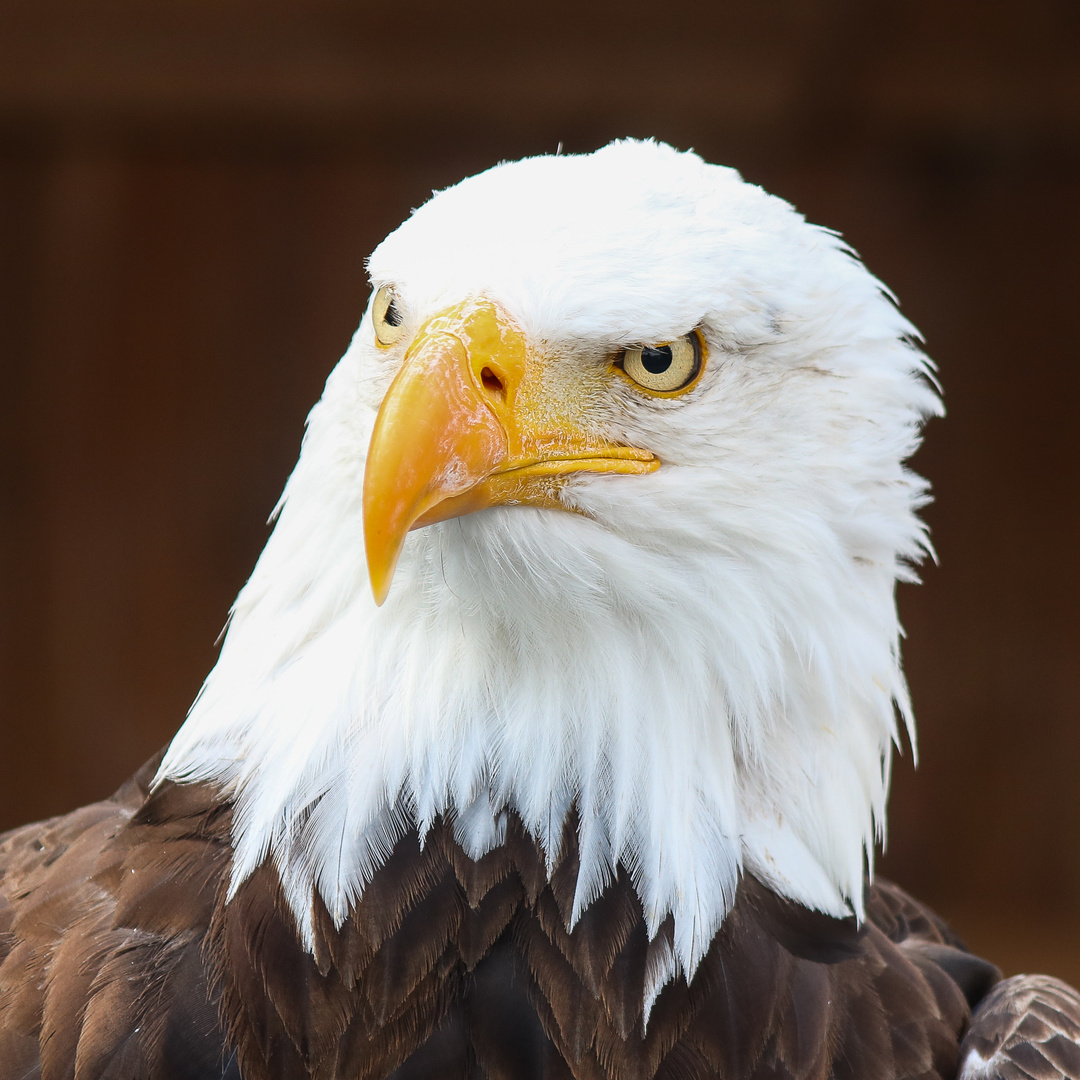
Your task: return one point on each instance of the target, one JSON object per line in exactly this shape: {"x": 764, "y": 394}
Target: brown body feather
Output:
{"x": 120, "y": 958}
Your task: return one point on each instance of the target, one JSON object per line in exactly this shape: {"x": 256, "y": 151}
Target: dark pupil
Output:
{"x": 656, "y": 361}
{"x": 392, "y": 316}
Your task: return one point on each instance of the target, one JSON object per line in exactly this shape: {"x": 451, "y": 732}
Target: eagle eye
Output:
{"x": 667, "y": 368}
{"x": 386, "y": 316}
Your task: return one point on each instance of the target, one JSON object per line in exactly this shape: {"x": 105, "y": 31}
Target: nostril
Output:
{"x": 492, "y": 383}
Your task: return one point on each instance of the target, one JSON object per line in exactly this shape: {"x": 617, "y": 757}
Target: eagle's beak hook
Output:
{"x": 439, "y": 433}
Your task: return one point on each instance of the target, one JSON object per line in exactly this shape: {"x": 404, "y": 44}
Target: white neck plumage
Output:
{"x": 713, "y": 699}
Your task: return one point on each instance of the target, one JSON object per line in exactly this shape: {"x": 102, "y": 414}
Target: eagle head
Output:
{"x": 601, "y": 514}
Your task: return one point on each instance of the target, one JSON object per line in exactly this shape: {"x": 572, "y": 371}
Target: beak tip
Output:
{"x": 382, "y": 546}
{"x": 380, "y": 575}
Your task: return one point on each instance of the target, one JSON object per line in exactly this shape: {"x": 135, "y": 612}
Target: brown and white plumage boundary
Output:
{"x": 583, "y": 785}
{"x": 122, "y": 957}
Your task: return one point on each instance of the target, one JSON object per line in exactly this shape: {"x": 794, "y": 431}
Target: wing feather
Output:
{"x": 1027, "y": 1027}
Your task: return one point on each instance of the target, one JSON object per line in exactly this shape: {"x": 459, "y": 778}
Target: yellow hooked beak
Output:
{"x": 463, "y": 427}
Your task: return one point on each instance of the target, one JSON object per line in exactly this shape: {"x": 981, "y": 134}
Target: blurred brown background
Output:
{"x": 187, "y": 192}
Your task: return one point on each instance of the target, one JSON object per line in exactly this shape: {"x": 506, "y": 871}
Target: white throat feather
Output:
{"x": 703, "y": 660}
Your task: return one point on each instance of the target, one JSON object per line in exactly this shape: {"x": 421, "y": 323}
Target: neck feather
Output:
{"x": 730, "y": 710}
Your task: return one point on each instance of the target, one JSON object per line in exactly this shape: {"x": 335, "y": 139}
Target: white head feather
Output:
{"x": 706, "y": 662}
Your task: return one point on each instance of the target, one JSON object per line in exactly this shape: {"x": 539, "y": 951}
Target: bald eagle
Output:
{"x": 551, "y": 735}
